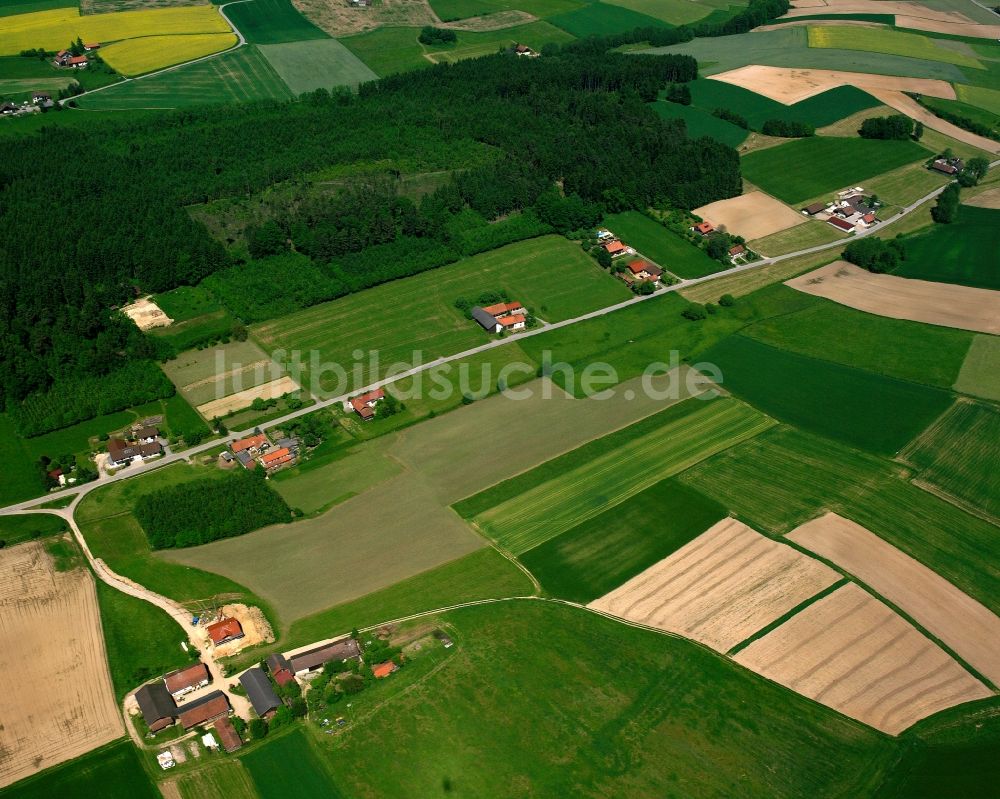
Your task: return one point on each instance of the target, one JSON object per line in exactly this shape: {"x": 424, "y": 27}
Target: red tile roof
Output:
{"x": 510, "y": 321}
{"x": 278, "y": 456}
{"x": 223, "y": 630}
{"x": 384, "y": 669}
{"x": 704, "y": 227}
{"x": 247, "y": 443}
{"x": 739, "y": 249}
{"x": 362, "y": 401}
{"x": 615, "y": 246}
{"x": 78, "y": 59}
{"x": 503, "y": 308}
{"x": 230, "y": 739}
{"x": 186, "y": 678}
{"x": 206, "y": 711}
{"x": 868, "y": 218}
{"x": 843, "y": 224}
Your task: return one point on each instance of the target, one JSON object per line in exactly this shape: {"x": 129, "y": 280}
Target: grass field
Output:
{"x": 979, "y": 115}
{"x": 272, "y": 22}
{"x": 18, "y": 529}
{"x": 962, "y": 252}
{"x": 603, "y": 552}
{"x": 113, "y": 771}
{"x": 185, "y": 303}
{"x": 689, "y": 432}
{"x": 15, "y": 7}
{"x": 701, "y": 123}
{"x": 451, "y": 10}
{"x": 597, "y": 19}
{"x": 663, "y": 246}
{"x": 809, "y": 234}
{"x": 549, "y": 275}
{"x": 806, "y": 168}
{"x": 875, "y": 413}
{"x": 54, "y": 29}
{"x": 901, "y": 187}
{"x": 786, "y": 477}
{"x": 288, "y": 768}
{"x": 21, "y": 478}
{"x": 890, "y": 42}
{"x": 987, "y": 99}
{"x": 138, "y": 56}
{"x": 320, "y": 64}
{"x": 204, "y": 375}
{"x": 675, "y": 12}
{"x": 979, "y": 375}
{"x": 959, "y": 455}
{"x": 229, "y": 778}
{"x": 548, "y": 700}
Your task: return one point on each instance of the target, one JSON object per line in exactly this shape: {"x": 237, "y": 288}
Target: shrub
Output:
{"x": 875, "y": 255}
{"x": 432, "y": 35}
{"x": 727, "y": 301}
{"x": 731, "y": 116}
{"x": 694, "y": 312}
{"x": 787, "y": 128}
{"x": 946, "y": 210}
{"x": 896, "y": 127}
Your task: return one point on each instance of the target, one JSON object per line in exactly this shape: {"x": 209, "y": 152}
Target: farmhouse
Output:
{"x": 524, "y": 50}
{"x": 121, "y": 452}
{"x": 277, "y": 458}
{"x": 259, "y": 691}
{"x": 92, "y": 46}
{"x": 502, "y": 309}
{"x": 737, "y": 250}
{"x": 227, "y": 733}
{"x": 226, "y": 629}
{"x": 201, "y": 711}
{"x": 183, "y": 681}
{"x": 344, "y": 649}
{"x": 251, "y": 444}
{"x": 382, "y": 670}
{"x": 616, "y": 249}
{"x": 147, "y": 435}
{"x": 515, "y": 322}
{"x": 364, "y": 405}
{"x": 948, "y": 166}
{"x": 40, "y": 97}
{"x": 487, "y": 321}
{"x": 280, "y": 669}
{"x": 156, "y": 705}
{"x": 703, "y": 228}
{"x": 77, "y": 62}
{"x": 814, "y": 209}
{"x": 643, "y": 270}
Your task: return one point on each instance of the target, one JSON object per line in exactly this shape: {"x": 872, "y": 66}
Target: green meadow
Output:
{"x": 113, "y": 771}
{"x": 272, "y": 22}
{"x": 663, "y": 246}
{"x": 320, "y": 64}
{"x": 963, "y": 252}
{"x": 601, "y": 19}
{"x": 700, "y": 122}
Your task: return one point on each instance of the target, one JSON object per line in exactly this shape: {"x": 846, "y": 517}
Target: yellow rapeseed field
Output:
{"x": 55, "y": 29}
{"x": 138, "y": 56}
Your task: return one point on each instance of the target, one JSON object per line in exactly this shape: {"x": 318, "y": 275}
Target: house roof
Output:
{"x": 615, "y": 246}
{"x": 223, "y": 630}
{"x": 362, "y": 400}
{"x": 61, "y": 53}
{"x": 186, "y": 678}
{"x": 92, "y": 45}
{"x": 704, "y": 227}
{"x": 638, "y": 267}
{"x": 815, "y": 208}
{"x": 155, "y": 702}
{"x": 230, "y": 739}
{"x": 259, "y": 691}
{"x": 343, "y": 649}
{"x": 280, "y": 668}
{"x": 46, "y": 95}
{"x": 843, "y": 224}
{"x": 119, "y": 449}
{"x": 155, "y": 448}
{"x": 503, "y": 308}
{"x": 78, "y": 59}
{"x": 944, "y": 166}
{"x": 869, "y": 218}
{"x": 248, "y": 443}
{"x": 487, "y": 320}
{"x": 147, "y": 432}
{"x": 199, "y": 711}
{"x": 276, "y": 457}
{"x": 510, "y": 321}
{"x": 738, "y": 249}
{"x": 381, "y": 670}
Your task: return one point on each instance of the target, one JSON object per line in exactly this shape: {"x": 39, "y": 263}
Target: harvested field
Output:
{"x": 341, "y": 19}
{"x": 903, "y": 298}
{"x": 790, "y": 85}
{"x": 988, "y": 199}
{"x": 970, "y": 29}
{"x": 63, "y": 705}
{"x": 971, "y": 630}
{"x": 979, "y": 375}
{"x": 753, "y": 215}
{"x": 242, "y": 399}
{"x": 146, "y": 314}
{"x": 726, "y": 585}
{"x": 854, "y": 654}
{"x": 802, "y": 8}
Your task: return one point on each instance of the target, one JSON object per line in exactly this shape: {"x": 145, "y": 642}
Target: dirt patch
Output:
{"x": 256, "y": 630}
{"x": 988, "y": 199}
{"x": 721, "y": 588}
{"x": 808, "y": 7}
{"x": 170, "y": 789}
{"x": 970, "y": 629}
{"x": 853, "y": 653}
{"x": 63, "y": 705}
{"x": 902, "y": 298}
{"x": 242, "y": 399}
{"x": 811, "y": 22}
{"x": 914, "y": 110}
{"x": 146, "y": 314}
{"x": 491, "y": 22}
{"x": 752, "y": 215}
{"x": 338, "y": 18}
{"x": 790, "y": 84}
{"x": 971, "y": 29}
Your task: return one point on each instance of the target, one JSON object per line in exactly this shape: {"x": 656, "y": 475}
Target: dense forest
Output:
{"x": 209, "y": 509}
{"x": 89, "y": 217}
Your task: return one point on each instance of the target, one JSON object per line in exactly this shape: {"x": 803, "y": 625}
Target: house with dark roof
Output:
{"x": 228, "y": 735}
{"x": 147, "y": 435}
{"x": 157, "y": 706}
{"x": 344, "y": 649}
{"x": 184, "y": 681}
{"x": 260, "y": 692}
{"x": 226, "y": 629}
{"x": 280, "y": 669}
{"x": 814, "y": 209}
{"x": 203, "y": 710}
{"x": 486, "y": 320}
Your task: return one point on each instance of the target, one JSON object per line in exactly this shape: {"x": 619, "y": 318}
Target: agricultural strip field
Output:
{"x": 451, "y": 10}
{"x": 112, "y": 772}
{"x": 889, "y": 676}
{"x": 979, "y": 375}
{"x": 661, "y": 245}
{"x": 785, "y": 477}
{"x": 891, "y": 42}
{"x": 242, "y": 75}
{"x": 904, "y": 186}
{"x": 969, "y": 629}
{"x": 721, "y": 588}
{"x": 229, "y": 778}
{"x": 810, "y": 233}
{"x": 138, "y": 56}
{"x": 602, "y": 19}
{"x": 987, "y": 99}
{"x": 751, "y": 215}
{"x": 288, "y": 768}
{"x": 959, "y": 457}
{"x": 272, "y": 22}
{"x": 473, "y": 44}
{"x": 63, "y": 705}
{"x": 693, "y": 431}
{"x": 806, "y": 168}
{"x": 601, "y": 553}
{"x": 54, "y": 29}
{"x": 549, "y": 275}
{"x": 963, "y": 252}
{"x": 701, "y": 123}
{"x": 943, "y": 304}
{"x": 321, "y": 64}
{"x": 551, "y": 665}
{"x": 675, "y": 12}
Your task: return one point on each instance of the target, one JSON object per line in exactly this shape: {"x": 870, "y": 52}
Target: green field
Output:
{"x": 661, "y": 245}
{"x": 816, "y": 166}
{"x": 549, "y": 275}
{"x": 963, "y": 252}
{"x": 605, "y": 551}
{"x": 215, "y": 372}
{"x": 808, "y": 234}
{"x": 111, "y": 772}
{"x": 15, "y": 7}
{"x": 689, "y": 432}
{"x": 272, "y": 22}
{"x": 602, "y": 19}
{"x": 185, "y": 303}
{"x": 675, "y": 12}
{"x": 701, "y": 123}
{"x": 224, "y": 777}
{"x": 321, "y": 64}
{"x": 288, "y": 768}
{"x": 785, "y": 477}
{"x": 241, "y": 75}
{"x": 28, "y": 527}
{"x": 21, "y": 478}
{"x": 875, "y": 413}
{"x": 551, "y": 701}
{"x": 990, "y": 119}
{"x": 959, "y": 456}
{"x": 890, "y": 42}
{"x": 987, "y": 99}
{"x": 979, "y": 375}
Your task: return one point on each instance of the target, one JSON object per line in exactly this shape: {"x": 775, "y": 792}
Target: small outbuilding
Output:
{"x": 344, "y": 649}
{"x": 228, "y": 735}
{"x": 383, "y": 670}
{"x": 260, "y": 692}
{"x": 486, "y": 320}
{"x": 814, "y": 209}
{"x": 280, "y": 669}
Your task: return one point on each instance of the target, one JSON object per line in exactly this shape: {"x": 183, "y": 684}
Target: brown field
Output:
{"x": 58, "y": 702}
{"x": 242, "y": 399}
{"x": 988, "y": 199}
{"x": 971, "y": 630}
{"x": 855, "y": 655}
{"x": 146, "y": 314}
{"x": 942, "y": 304}
{"x": 970, "y": 29}
{"x": 914, "y": 110}
{"x": 721, "y": 588}
{"x": 752, "y": 215}
{"x": 805, "y": 8}
{"x": 790, "y": 84}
